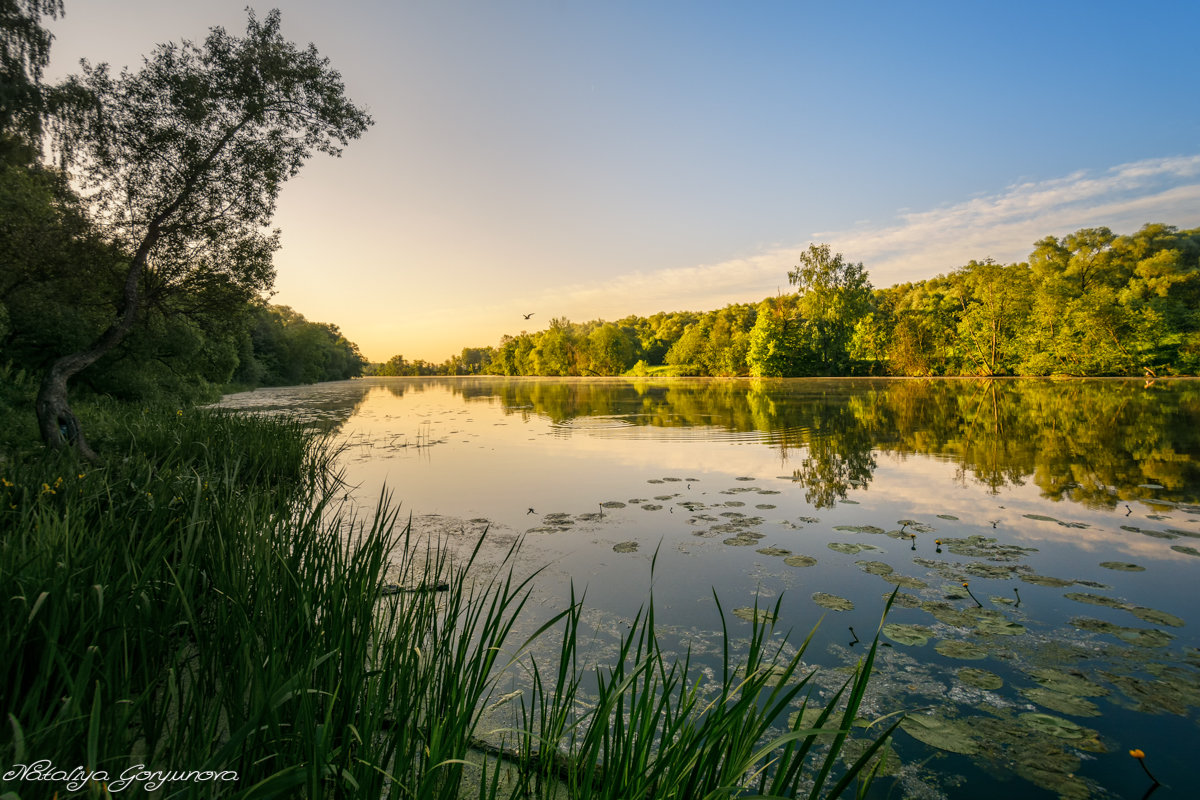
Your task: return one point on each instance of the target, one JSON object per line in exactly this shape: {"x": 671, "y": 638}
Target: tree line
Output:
{"x": 1092, "y": 303}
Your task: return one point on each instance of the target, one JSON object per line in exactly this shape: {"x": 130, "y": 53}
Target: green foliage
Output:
{"x": 1092, "y": 303}
{"x": 776, "y": 344}
{"x": 834, "y": 295}
{"x": 24, "y": 53}
{"x": 287, "y": 349}
{"x": 199, "y": 602}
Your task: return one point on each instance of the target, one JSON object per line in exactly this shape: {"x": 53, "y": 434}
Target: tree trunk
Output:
{"x": 58, "y": 424}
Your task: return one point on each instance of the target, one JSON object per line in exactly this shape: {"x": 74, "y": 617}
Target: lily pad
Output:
{"x": 742, "y": 540}
{"x": 625, "y": 547}
{"x": 858, "y": 528}
{"x": 1046, "y": 580}
{"x": 612, "y": 504}
{"x": 1056, "y": 726}
{"x": 1122, "y": 566}
{"x": 850, "y": 548}
{"x": 948, "y": 614}
{"x": 1062, "y": 703}
{"x": 800, "y": 561}
{"x": 1095, "y": 599}
{"x": 905, "y": 581}
{"x": 944, "y": 734}
{"x": 956, "y": 648}
{"x": 999, "y": 627}
{"x": 832, "y": 602}
{"x": 1187, "y": 551}
{"x": 1163, "y": 695}
{"x": 875, "y": 567}
{"x": 1155, "y": 617}
{"x": 908, "y": 634}
{"x": 774, "y": 551}
{"x": 904, "y": 600}
{"x": 980, "y": 678}
{"x": 1067, "y": 682}
{"x": 1142, "y": 637}
{"x": 752, "y": 615}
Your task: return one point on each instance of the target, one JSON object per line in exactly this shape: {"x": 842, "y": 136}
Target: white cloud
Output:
{"x": 922, "y": 244}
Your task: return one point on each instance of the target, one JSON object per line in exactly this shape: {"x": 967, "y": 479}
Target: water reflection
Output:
{"x": 1099, "y": 443}
{"x": 1042, "y": 535}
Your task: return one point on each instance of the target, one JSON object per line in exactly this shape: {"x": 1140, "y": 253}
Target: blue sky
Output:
{"x": 596, "y": 159}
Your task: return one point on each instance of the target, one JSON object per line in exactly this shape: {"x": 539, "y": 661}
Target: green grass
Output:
{"x": 199, "y": 601}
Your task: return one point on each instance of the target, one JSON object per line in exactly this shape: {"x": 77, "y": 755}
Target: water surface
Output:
{"x": 1069, "y": 508}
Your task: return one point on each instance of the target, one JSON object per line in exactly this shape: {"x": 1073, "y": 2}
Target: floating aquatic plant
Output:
{"x": 954, "y": 736}
{"x": 909, "y": 635}
{"x": 979, "y": 678}
{"x": 1142, "y": 637}
{"x": 832, "y": 602}
{"x": 800, "y": 561}
{"x": 956, "y": 648}
{"x": 850, "y": 548}
{"x": 1059, "y": 728}
{"x": 754, "y": 615}
{"x": 1045, "y": 580}
{"x": 1067, "y": 682}
{"x": 1062, "y": 703}
{"x": 1122, "y": 566}
{"x": 858, "y": 528}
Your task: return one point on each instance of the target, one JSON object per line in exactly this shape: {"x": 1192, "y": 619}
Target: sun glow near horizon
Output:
{"x": 916, "y": 246}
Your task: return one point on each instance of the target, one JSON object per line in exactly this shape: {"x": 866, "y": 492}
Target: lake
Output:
{"x": 1044, "y": 537}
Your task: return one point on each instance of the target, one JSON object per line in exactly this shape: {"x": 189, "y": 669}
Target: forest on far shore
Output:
{"x": 1092, "y": 303}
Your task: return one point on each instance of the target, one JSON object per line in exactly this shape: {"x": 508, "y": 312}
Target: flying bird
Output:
{"x": 530, "y": 314}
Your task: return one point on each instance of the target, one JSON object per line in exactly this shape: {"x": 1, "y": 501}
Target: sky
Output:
{"x": 592, "y": 160}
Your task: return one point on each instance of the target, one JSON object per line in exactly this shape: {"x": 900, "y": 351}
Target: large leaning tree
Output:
{"x": 181, "y": 163}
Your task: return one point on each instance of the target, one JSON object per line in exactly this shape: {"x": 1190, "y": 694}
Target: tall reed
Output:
{"x": 200, "y": 601}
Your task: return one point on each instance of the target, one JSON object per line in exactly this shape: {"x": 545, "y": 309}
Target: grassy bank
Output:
{"x": 198, "y": 602}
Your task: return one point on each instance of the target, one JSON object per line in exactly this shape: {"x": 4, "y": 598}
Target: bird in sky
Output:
{"x": 530, "y": 314}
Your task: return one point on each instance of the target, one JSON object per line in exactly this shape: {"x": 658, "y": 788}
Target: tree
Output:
{"x": 995, "y": 303}
{"x": 775, "y": 345}
{"x": 834, "y": 294}
{"x": 24, "y": 53}
{"x": 182, "y": 163}
{"x": 610, "y": 349}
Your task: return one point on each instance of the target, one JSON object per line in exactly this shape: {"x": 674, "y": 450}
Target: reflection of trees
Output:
{"x": 829, "y": 470}
{"x": 1093, "y": 442}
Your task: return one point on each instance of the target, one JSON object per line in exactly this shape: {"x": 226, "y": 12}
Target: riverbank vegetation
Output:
{"x": 137, "y": 208}
{"x": 1091, "y": 303}
{"x": 199, "y": 600}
